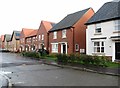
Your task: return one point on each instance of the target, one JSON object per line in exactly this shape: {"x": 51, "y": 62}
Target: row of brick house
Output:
{"x": 83, "y": 32}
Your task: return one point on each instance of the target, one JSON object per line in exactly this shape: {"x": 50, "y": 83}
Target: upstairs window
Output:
{"x": 55, "y": 35}
{"x": 97, "y": 28}
{"x": 42, "y": 37}
{"x": 17, "y": 34}
{"x": 63, "y": 33}
{"x": 39, "y": 37}
{"x": 117, "y": 25}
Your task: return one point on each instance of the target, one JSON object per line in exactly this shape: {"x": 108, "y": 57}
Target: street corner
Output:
{"x": 3, "y": 82}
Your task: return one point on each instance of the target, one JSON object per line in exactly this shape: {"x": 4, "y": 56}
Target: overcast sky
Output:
{"x": 18, "y": 14}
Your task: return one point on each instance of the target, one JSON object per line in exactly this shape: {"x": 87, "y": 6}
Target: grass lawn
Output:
{"x": 51, "y": 58}
{"x": 113, "y": 65}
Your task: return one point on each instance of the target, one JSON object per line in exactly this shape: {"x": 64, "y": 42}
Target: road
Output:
{"x": 27, "y": 72}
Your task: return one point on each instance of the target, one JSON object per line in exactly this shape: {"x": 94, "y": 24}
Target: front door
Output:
{"x": 64, "y": 48}
{"x": 117, "y": 50}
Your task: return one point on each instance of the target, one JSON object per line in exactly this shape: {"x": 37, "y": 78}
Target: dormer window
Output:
{"x": 97, "y": 28}
{"x": 117, "y": 25}
{"x": 63, "y": 33}
{"x": 55, "y": 35}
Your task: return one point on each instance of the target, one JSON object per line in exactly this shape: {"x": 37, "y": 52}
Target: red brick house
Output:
{"x": 2, "y": 42}
{"x": 69, "y": 35}
{"x": 23, "y": 39}
{"x": 42, "y": 34}
{"x": 31, "y": 40}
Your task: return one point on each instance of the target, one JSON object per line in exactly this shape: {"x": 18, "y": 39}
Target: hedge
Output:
{"x": 82, "y": 59}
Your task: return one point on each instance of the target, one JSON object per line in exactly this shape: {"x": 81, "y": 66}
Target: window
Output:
{"x": 17, "y": 34}
{"x": 34, "y": 39}
{"x": 55, "y": 35}
{"x": 99, "y": 47}
{"x": 55, "y": 48}
{"x": 117, "y": 25}
{"x": 76, "y": 47}
{"x": 63, "y": 33}
{"x": 42, "y": 37}
{"x": 97, "y": 28}
{"x": 39, "y": 37}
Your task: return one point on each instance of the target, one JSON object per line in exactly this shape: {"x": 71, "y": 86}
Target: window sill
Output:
{"x": 98, "y": 34}
{"x": 54, "y": 52}
{"x": 116, "y": 32}
{"x": 98, "y": 54}
{"x": 63, "y": 37}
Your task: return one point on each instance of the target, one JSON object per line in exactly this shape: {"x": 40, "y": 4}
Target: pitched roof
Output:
{"x": 27, "y": 31}
{"x": 109, "y": 11}
{"x": 33, "y": 33}
{"x": 69, "y": 20}
{"x": 17, "y": 35}
{"x": 48, "y": 25}
{"x": 7, "y": 37}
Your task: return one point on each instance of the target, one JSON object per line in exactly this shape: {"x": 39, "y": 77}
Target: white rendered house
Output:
{"x": 103, "y": 32}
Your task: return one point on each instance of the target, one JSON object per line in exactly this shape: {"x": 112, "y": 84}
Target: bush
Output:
{"x": 96, "y": 60}
{"x": 86, "y": 59}
{"x": 31, "y": 54}
{"x": 43, "y": 52}
{"x": 62, "y": 58}
{"x": 82, "y": 59}
{"x": 71, "y": 58}
{"x": 103, "y": 61}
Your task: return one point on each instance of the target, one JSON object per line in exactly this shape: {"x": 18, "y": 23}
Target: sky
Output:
{"x": 18, "y": 14}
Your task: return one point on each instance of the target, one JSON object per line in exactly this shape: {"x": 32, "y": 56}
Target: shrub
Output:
{"x": 103, "y": 61}
{"x": 86, "y": 59}
{"x": 62, "y": 58}
{"x": 71, "y": 58}
{"x": 31, "y": 54}
{"x": 96, "y": 60}
{"x": 53, "y": 55}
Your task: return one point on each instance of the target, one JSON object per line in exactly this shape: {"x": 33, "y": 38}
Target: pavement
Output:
{"x": 3, "y": 82}
{"x": 100, "y": 70}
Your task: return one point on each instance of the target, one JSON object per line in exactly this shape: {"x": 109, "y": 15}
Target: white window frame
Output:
{"x": 99, "y": 46}
{"x": 76, "y": 47}
{"x": 42, "y": 37}
{"x": 54, "y": 47}
{"x": 55, "y": 35}
{"x": 97, "y": 26}
{"x": 39, "y": 36}
{"x": 63, "y": 33}
{"x": 117, "y": 25}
